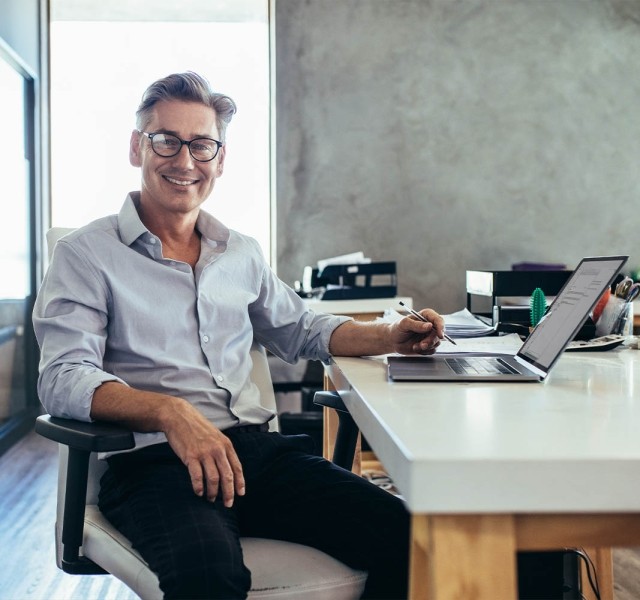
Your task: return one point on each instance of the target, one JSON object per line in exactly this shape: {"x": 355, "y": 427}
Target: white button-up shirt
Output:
{"x": 112, "y": 308}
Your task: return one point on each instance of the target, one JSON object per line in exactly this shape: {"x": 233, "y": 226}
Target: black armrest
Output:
{"x": 82, "y": 439}
{"x": 91, "y": 437}
{"x": 347, "y": 434}
{"x": 330, "y": 400}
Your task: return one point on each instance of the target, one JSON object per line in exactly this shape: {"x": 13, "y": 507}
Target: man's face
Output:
{"x": 178, "y": 184}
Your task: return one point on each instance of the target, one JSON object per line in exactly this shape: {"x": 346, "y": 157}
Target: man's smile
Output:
{"x": 178, "y": 181}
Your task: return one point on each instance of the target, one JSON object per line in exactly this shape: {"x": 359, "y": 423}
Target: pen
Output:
{"x": 419, "y": 316}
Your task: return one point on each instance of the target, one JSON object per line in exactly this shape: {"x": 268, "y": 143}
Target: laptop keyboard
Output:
{"x": 479, "y": 366}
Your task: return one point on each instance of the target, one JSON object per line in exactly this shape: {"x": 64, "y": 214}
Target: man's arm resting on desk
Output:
{"x": 407, "y": 336}
{"x": 207, "y": 453}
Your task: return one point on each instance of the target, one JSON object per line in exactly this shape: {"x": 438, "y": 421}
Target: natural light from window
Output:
{"x": 14, "y": 229}
{"x": 98, "y": 73}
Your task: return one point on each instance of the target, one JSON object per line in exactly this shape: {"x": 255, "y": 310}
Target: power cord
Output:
{"x": 590, "y": 568}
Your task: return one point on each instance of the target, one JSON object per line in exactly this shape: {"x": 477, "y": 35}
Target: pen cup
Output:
{"x": 616, "y": 318}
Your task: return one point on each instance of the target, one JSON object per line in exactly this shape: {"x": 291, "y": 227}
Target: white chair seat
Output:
{"x": 279, "y": 570}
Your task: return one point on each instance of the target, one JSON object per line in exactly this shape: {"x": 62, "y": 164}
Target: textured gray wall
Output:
{"x": 456, "y": 135}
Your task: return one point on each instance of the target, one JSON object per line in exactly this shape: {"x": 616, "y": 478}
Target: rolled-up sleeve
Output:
{"x": 70, "y": 320}
{"x": 287, "y": 327}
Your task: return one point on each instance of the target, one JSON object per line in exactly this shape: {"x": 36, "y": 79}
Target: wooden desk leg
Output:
{"x": 329, "y": 431}
{"x": 463, "y": 556}
{"x": 603, "y": 562}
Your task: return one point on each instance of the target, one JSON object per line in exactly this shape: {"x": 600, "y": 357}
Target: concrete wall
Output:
{"x": 456, "y": 135}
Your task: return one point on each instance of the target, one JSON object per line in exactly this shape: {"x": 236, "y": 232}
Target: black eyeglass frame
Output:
{"x": 186, "y": 143}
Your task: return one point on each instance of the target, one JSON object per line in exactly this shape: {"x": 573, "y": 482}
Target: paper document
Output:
{"x": 487, "y": 346}
{"x": 463, "y": 324}
{"x": 355, "y": 258}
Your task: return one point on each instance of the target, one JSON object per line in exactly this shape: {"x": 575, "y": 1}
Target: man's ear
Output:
{"x": 134, "y": 149}
{"x": 221, "y": 155}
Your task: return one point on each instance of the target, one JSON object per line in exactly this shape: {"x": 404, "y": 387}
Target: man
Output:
{"x": 146, "y": 318}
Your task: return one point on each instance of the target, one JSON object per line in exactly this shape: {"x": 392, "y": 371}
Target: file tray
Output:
{"x": 500, "y": 284}
{"x": 362, "y": 280}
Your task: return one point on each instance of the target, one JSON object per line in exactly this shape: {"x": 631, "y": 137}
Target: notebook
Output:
{"x": 542, "y": 348}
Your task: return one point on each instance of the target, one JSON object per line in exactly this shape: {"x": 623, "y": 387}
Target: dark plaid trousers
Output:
{"x": 291, "y": 494}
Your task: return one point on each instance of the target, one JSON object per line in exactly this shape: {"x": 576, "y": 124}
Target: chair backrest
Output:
{"x": 53, "y": 235}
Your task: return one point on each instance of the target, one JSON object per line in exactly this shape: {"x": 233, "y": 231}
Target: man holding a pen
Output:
{"x": 146, "y": 318}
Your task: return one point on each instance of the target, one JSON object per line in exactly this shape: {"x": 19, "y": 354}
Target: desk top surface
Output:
{"x": 571, "y": 443}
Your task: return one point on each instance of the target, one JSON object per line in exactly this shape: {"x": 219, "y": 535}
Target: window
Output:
{"x": 14, "y": 226}
{"x": 101, "y": 62}
{"x": 18, "y": 403}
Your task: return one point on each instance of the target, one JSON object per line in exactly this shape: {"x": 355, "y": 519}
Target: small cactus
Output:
{"x": 537, "y": 305}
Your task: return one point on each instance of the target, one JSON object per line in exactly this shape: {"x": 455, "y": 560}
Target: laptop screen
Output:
{"x": 570, "y": 310}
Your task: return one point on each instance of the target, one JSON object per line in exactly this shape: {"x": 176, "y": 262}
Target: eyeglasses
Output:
{"x": 167, "y": 145}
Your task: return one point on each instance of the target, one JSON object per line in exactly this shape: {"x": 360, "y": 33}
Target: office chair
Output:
{"x": 87, "y": 544}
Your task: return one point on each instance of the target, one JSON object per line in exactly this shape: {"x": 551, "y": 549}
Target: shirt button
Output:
{"x": 220, "y": 378}
{"x": 205, "y": 338}
{"x": 152, "y": 240}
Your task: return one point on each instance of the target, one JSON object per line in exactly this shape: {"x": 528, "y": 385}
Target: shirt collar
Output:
{"x": 212, "y": 229}
{"x": 131, "y": 227}
{"x": 129, "y": 223}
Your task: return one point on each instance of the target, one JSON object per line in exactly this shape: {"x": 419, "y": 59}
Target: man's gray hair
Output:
{"x": 188, "y": 87}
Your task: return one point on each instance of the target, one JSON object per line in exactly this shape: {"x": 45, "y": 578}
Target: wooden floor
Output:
{"x": 28, "y": 481}
{"x": 27, "y": 514}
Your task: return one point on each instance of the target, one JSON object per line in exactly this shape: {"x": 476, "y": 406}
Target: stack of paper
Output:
{"x": 355, "y": 258}
{"x": 463, "y": 324}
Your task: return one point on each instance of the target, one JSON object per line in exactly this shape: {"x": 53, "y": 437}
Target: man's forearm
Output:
{"x": 354, "y": 338}
{"x": 406, "y": 336}
{"x": 137, "y": 409}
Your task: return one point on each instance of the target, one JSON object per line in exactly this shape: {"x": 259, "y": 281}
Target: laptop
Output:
{"x": 542, "y": 348}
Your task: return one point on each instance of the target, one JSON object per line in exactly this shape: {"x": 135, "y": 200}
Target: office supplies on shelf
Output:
{"x": 498, "y": 288}
{"x": 503, "y": 296}
{"x": 351, "y": 281}
{"x": 542, "y": 348}
{"x": 419, "y": 316}
{"x": 538, "y": 266}
{"x": 353, "y": 258}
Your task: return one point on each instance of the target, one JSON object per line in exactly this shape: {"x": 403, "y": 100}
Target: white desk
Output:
{"x": 488, "y": 468}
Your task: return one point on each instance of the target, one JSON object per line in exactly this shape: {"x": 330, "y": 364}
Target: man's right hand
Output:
{"x": 214, "y": 466}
